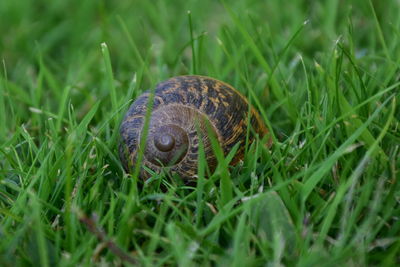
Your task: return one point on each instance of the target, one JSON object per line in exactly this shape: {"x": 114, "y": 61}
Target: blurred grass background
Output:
{"x": 325, "y": 75}
{"x": 64, "y": 36}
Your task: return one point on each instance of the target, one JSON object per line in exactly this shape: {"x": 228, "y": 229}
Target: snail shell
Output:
{"x": 185, "y": 109}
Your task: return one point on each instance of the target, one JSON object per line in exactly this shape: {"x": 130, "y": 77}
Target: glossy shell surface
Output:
{"x": 185, "y": 109}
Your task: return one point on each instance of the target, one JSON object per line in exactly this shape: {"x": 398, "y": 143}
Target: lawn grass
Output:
{"x": 323, "y": 74}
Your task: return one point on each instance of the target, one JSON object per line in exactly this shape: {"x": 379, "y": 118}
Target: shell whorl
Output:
{"x": 185, "y": 110}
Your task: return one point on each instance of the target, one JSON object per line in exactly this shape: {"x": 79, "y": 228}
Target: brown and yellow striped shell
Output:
{"x": 185, "y": 109}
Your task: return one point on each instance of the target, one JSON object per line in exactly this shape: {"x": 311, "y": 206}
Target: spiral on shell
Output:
{"x": 186, "y": 110}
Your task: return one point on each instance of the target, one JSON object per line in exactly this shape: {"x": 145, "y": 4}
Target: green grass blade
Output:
{"x": 194, "y": 62}
{"x": 379, "y": 30}
{"x": 355, "y": 175}
{"x": 316, "y": 177}
{"x": 110, "y": 80}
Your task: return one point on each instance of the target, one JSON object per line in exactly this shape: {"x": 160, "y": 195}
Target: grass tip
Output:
{"x": 35, "y": 110}
{"x": 103, "y": 46}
